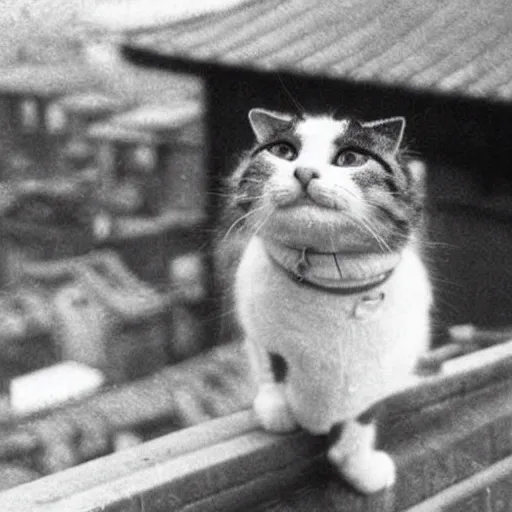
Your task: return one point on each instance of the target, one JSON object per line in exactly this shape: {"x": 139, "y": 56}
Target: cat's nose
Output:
{"x": 305, "y": 174}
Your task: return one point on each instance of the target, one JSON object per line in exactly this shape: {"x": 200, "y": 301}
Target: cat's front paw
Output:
{"x": 272, "y": 410}
{"x": 368, "y": 471}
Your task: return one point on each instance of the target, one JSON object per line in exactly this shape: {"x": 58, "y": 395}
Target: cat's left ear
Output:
{"x": 265, "y": 123}
{"x": 391, "y": 130}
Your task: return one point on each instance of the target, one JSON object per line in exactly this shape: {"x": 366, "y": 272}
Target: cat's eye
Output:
{"x": 350, "y": 158}
{"x": 283, "y": 150}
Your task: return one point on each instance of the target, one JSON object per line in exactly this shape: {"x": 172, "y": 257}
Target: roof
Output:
{"x": 46, "y": 80}
{"x": 137, "y": 14}
{"x": 447, "y": 46}
{"x": 160, "y": 118}
{"x": 90, "y": 103}
{"x": 152, "y": 124}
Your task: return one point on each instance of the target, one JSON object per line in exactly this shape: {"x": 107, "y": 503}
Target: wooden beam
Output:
{"x": 455, "y": 378}
{"x": 121, "y": 465}
{"x": 441, "y": 431}
{"x": 482, "y": 490}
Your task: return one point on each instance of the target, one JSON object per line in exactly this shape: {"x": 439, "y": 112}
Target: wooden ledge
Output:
{"x": 169, "y": 125}
{"x": 190, "y": 464}
{"x": 455, "y": 427}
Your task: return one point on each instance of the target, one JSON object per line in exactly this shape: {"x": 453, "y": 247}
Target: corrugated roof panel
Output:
{"x": 489, "y": 80}
{"x": 438, "y": 37}
{"x": 328, "y": 37}
{"x": 505, "y": 91}
{"x": 358, "y": 47}
{"x": 451, "y": 45}
{"x": 270, "y": 33}
{"x": 464, "y": 42}
{"x": 263, "y": 31}
{"x": 211, "y": 33}
{"x": 426, "y": 25}
{"x": 372, "y": 40}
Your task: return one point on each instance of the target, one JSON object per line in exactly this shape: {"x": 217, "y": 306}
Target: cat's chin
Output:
{"x": 305, "y": 211}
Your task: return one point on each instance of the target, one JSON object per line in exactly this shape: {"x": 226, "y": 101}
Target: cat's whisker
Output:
{"x": 219, "y": 194}
{"x": 252, "y": 180}
{"x": 442, "y": 280}
{"x": 446, "y": 304}
{"x": 254, "y": 198}
{"x": 295, "y": 101}
{"x": 365, "y": 223}
{"x": 264, "y": 221}
{"x": 436, "y": 243}
{"x": 375, "y": 230}
{"x": 380, "y": 240}
{"x": 348, "y": 191}
{"x": 239, "y": 220}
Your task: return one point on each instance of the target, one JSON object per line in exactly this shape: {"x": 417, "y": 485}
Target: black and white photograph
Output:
{"x": 255, "y": 256}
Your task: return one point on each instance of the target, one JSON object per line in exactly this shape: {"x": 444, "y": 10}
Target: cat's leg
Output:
{"x": 270, "y": 405}
{"x": 353, "y": 454}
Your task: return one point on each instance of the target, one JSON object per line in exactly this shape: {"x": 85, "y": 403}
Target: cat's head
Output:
{"x": 328, "y": 184}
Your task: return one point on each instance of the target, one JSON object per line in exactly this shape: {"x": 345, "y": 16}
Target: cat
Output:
{"x": 331, "y": 291}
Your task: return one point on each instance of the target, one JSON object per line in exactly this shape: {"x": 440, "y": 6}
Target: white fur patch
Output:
{"x": 317, "y": 135}
{"x": 327, "y": 349}
{"x": 272, "y": 410}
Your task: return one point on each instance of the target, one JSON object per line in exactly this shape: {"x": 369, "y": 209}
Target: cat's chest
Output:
{"x": 275, "y": 304}
{"x": 277, "y": 310}
{"x": 339, "y": 360}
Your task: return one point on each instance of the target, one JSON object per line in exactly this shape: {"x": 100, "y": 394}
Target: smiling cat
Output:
{"x": 331, "y": 291}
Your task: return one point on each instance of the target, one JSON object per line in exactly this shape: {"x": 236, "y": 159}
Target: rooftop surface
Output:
{"x": 454, "y": 46}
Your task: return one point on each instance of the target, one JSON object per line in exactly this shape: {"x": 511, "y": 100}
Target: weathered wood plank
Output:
{"x": 457, "y": 377}
{"x": 479, "y": 493}
{"x": 181, "y": 480}
{"x": 433, "y": 450}
{"x": 107, "y": 469}
{"x": 231, "y": 462}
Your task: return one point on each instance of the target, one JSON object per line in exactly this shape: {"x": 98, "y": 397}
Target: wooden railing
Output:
{"x": 449, "y": 434}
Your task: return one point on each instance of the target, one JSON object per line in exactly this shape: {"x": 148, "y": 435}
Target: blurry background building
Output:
{"x": 104, "y": 279}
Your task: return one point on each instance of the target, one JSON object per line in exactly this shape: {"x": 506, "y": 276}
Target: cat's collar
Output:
{"x": 343, "y": 273}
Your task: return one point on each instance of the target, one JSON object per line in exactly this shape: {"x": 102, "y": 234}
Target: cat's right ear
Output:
{"x": 265, "y": 123}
